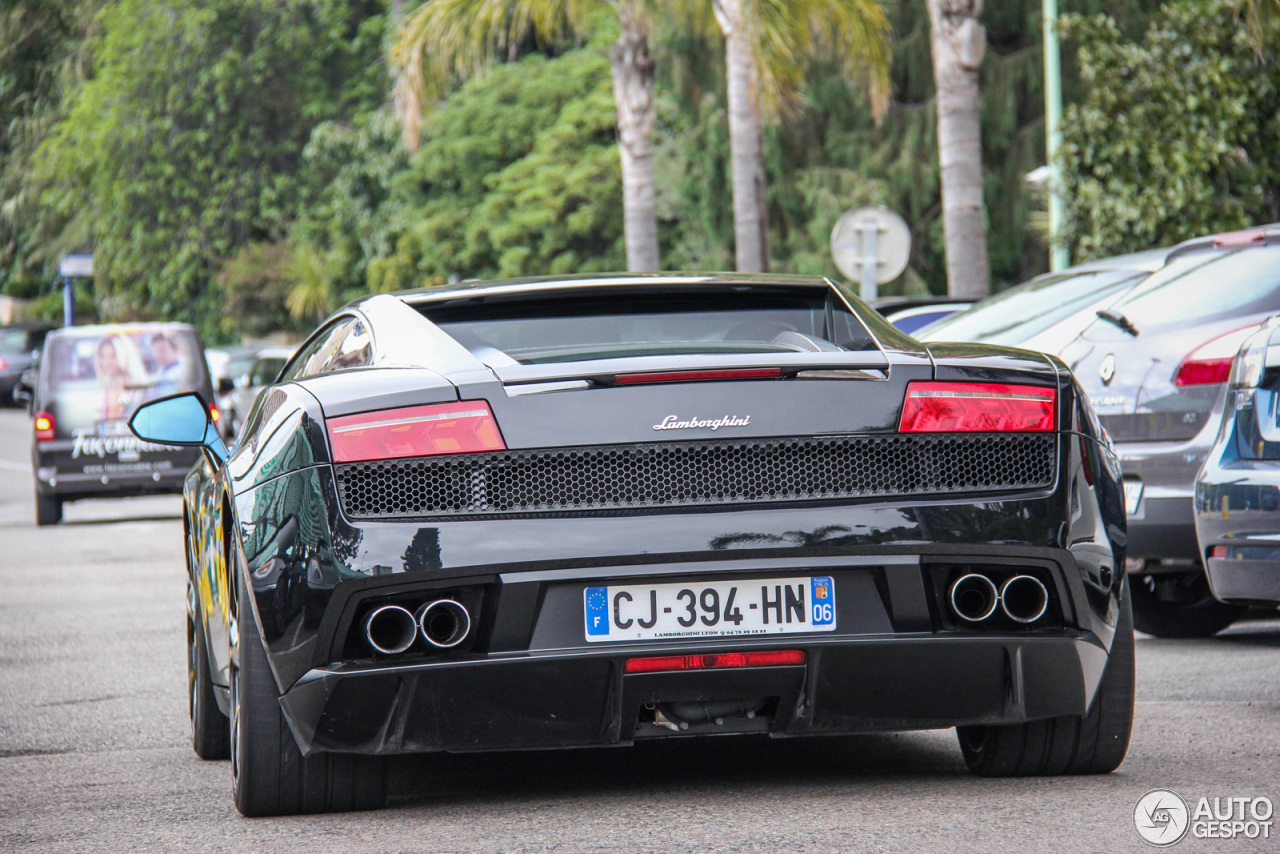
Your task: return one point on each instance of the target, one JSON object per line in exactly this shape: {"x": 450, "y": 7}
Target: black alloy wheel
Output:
{"x": 270, "y": 776}
{"x": 1093, "y": 744}
{"x": 1180, "y": 605}
{"x": 210, "y": 729}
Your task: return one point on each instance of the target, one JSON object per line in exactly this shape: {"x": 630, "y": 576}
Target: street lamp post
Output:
{"x": 1058, "y": 256}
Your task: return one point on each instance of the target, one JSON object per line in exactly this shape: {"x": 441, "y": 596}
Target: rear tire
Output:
{"x": 270, "y": 776}
{"x": 48, "y": 509}
{"x": 210, "y": 729}
{"x": 1180, "y": 606}
{"x": 1093, "y": 744}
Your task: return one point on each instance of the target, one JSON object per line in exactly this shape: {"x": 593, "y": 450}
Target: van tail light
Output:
{"x": 44, "y": 426}
{"x": 214, "y": 414}
{"x": 4, "y": 366}
{"x": 1210, "y": 363}
{"x": 977, "y": 408}
{"x": 467, "y": 427}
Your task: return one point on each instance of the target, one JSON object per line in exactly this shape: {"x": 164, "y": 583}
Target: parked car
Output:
{"x": 911, "y": 314}
{"x": 1237, "y": 499}
{"x": 1047, "y": 312}
{"x": 19, "y": 349}
{"x": 259, "y": 374}
{"x": 1155, "y": 364}
{"x": 91, "y": 380}
{"x": 593, "y": 511}
{"x": 225, "y": 364}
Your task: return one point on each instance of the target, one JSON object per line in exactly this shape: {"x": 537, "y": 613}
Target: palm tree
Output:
{"x": 766, "y": 45}
{"x": 959, "y": 42}
{"x": 447, "y": 39}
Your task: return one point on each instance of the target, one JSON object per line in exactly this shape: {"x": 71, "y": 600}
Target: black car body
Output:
{"x": 585, "y": 512}
{"x": 20, "y": 346}
{"x": 1237, "y": 503}
{"x": 1155, "y": 365}
{"x": 91, "y": 380}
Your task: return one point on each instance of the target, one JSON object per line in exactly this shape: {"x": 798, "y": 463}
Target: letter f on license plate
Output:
{"x": 769, "y": 606}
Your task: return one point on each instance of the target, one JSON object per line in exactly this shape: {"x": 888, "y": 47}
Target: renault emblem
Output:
{"x": 1107, "y": 369}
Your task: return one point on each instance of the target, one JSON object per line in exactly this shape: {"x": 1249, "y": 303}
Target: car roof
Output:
{"x": 1268, "y": 235}
{"x": 549, "y": 285}
{"x": 1148, "y": 259}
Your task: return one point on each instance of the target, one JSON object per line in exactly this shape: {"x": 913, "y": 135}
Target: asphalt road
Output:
{"x": 95, "y": 756}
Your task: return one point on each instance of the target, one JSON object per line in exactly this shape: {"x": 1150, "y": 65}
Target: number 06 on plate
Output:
{"x": 773, "y": 606}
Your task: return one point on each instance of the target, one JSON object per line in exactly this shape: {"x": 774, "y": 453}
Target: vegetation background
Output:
{"x": 238, "y": 164}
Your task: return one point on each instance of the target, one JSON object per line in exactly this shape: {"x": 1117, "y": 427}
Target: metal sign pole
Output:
{"x": 868, "y": 229}
{"x": 68, "y": 302}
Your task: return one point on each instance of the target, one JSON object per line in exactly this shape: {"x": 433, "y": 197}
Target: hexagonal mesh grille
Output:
{"x": 620, "y": 477}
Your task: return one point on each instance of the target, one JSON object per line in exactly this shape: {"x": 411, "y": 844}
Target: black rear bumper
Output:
{"x": 580, "y": 699}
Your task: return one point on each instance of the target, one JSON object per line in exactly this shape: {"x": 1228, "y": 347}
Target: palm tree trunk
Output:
{"x": 750, "y": 227}
{"x": 958, "y": 44}
{"x": 633, "y": 90}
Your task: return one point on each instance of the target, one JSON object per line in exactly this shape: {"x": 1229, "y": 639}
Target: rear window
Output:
{"x": 1019, "y": 313}
{"x": 98, "y": 380}
{"x": 1206, "y": 286}
{"x": 587, "y": 326}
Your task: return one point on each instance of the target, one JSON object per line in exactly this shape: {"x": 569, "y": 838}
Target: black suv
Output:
{"x": 91, "y": 380}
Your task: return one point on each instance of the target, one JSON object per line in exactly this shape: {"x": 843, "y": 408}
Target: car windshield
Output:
{"x": 1022, "y": 311}
{"x": 96, "y": 381}
{"x": 1206, "y": 286}
{"x": 655, "y": 323}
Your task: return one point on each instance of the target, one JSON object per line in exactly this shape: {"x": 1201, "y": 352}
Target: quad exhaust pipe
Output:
{"x": 975, "y": 597}
{"x": 391, "y": 629}
{"x": 444, "y": 623}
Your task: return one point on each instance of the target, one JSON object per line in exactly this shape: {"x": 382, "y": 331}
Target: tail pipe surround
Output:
{"x": 444, "y": 623}
{"x": 1024, "y": 599}
{"x": 390, "y": 629}
{"x": 974, "y": 597}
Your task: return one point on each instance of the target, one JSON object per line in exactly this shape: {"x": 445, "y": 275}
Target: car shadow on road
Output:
{"x": 739, "y": 762}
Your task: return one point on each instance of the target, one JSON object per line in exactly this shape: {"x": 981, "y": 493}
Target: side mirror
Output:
{"x": 21, "y": 395}
{"x": 225, "y": 385}
{"x": 181, "y": 419}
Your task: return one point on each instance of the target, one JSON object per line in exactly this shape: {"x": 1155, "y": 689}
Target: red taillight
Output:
{"x": 715, "y": 660}
{"x": 467, "y": 427}
{"x": 1217, "y": 551}
{"x": 693, "y": 376}
{"x": 4, "y": 366}
{"x": 44, "y": 427}
{"x": 1210, "y": 363}
{"x": 977, "y": 408}
{"x": 214, "y": 414}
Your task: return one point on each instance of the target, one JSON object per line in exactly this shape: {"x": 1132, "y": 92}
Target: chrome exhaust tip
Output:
{"x": 974, "y": 597}
{"x": 444, "y": 623}
{"x": 390, "y": 629}
{"x": 1024, "y": 598}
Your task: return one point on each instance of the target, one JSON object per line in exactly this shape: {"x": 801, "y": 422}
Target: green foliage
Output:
{"x": 184, "y": 144}
{"x": 518, "y": 175}
{"x": 1179, "y": 135}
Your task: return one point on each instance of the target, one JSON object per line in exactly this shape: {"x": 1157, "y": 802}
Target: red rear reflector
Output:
{"x": 1240, "y": 238}
{"x": 715, "y": 660}
{"x": 691, "y": 376}
{"x": 1203, "y": 372}
{"x": 44, "y": 427}
{"x": 977, "y": 408}
{"x": 467, "y": 427}
{"x": 1217, "y": 551}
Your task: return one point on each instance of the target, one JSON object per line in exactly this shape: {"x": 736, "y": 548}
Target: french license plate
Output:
{"x": 1132, "y": 496}
{"x": 774, "y": 606}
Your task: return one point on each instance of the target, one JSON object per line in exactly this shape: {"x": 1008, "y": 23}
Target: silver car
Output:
{"x": 1155, "y": 364}
{"x": 260, "y": 374}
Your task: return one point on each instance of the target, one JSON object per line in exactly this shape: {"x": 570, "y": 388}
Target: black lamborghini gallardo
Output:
{"x": 590, "y": 511}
